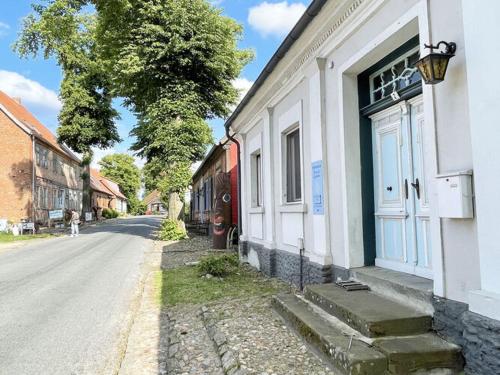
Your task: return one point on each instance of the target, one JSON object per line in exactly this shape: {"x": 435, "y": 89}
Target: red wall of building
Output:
{"x": 233, "y": 168}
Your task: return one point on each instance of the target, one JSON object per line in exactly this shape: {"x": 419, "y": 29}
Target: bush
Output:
{"x": 106, "y": 213}
{"x": 172, "y": 230}
{"x": 219, "y": 266}
{"x": 110, "y": 213}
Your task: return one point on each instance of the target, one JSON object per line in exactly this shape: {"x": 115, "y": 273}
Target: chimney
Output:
{"x": 17, "y": 99}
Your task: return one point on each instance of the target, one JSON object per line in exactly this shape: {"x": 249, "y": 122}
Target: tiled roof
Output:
{"x": 112, "y": 187}
{"x": 95, "y": 182}
{"x": 27, "y": 119}
{"x": 154, "y": 195}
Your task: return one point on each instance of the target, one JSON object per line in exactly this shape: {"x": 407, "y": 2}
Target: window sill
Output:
{"x": 293, "y": 208}
{"x": 256, "y": 210}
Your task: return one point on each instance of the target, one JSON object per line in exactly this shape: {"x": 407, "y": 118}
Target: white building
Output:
{"x": 336, "y": 165}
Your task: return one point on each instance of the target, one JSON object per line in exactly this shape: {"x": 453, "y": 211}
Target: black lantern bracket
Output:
{"x": 433, "y": 67}
{"x": 450, "y": 48}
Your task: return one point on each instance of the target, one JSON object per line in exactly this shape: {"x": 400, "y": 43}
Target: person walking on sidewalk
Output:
{"x": 75, "y": 220}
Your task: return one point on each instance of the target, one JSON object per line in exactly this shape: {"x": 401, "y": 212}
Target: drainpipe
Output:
{"x": 238, "y": 148}
{"x": 33, "y": 177}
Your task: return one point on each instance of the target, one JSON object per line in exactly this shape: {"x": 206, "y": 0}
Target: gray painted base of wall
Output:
{"x": 286, "y": 266}
{"x": 479, "y": 336}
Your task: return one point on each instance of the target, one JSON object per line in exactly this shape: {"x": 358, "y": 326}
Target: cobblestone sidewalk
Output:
{"x": 175, "y": 341}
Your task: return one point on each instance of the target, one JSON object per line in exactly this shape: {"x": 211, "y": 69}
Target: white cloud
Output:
{"x": 30, "y": 92}
{"x": 4, "y": 29}
{"x": 275, "y": 18}
{"x": 242, "y": 85}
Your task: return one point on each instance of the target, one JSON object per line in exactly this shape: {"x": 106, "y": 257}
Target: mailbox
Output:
{"x": 455, "y": 195}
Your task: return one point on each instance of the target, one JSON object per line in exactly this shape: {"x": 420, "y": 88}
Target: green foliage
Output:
{"x": 172, "y": 49}
{"x": 219, "y": 266}
{"x": 172, "y": 230}
{"x": 175, "y": 180}
{"x": 136, "y": 206}
{"x": 172, "y": 61}
{"x": 121, "y": 169}
{"x": 185, "y": 286}
{"x": 110, "y": 213}
{"x": 9, "y": 237}
{"x": 59, "y": 29}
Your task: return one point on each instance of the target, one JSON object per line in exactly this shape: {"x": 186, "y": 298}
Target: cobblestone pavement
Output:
{"x": 265, "y": 345}
{"x": 194, "y": 352}
{"x": 175, "y": 342}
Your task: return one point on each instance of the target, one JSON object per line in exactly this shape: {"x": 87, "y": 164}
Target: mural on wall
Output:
{"x": 222, "y": 210}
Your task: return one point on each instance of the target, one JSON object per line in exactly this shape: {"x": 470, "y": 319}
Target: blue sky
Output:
{"x": 36, "y": 81}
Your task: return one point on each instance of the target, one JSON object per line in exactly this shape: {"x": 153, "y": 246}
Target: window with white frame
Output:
{"x": 256, "y": 175}
{"x": 55, "y": 163}
{"x": 293, "y": 167}
{"x": 38, "y": 156}
{"x": 45, "y": 158}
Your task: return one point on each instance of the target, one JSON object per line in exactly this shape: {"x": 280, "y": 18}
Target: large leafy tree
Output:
{"x": 121, "y": 168}
{"x": 58, "y": 29}
{"x": 173, "y": 62}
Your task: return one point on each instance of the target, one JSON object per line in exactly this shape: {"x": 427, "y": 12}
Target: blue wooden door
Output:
{"x": 401, "y": 206}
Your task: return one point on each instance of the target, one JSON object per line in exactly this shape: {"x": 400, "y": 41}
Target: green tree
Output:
{"x": 173, "y": 62}
{"x": 121, "y": 168}
{"x": 87, "y": 118}
{"x": 60, "y": 30}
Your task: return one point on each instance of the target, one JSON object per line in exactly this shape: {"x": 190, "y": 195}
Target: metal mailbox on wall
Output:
{"x": 455, "y": 195}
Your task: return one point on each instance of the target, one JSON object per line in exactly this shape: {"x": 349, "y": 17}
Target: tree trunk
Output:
{"x": 86, "y": 194}
{"x": 175, "y": 207}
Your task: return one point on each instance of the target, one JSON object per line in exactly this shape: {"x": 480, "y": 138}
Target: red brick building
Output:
{"x": 214, "y": 195}
{"x": 37, "y": 174}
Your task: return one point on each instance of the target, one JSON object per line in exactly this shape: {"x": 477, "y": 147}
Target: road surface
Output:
{"x": 65, "y": 302}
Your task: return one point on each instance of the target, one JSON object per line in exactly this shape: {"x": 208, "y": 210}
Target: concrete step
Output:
{"x": 348, "y": 357}
{"x": 369, "y": 313}
{"x": 425, "y": 354}
{"x": 353, "y": 354}
{"x": 407, "y": 289}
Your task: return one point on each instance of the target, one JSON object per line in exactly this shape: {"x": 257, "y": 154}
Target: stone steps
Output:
{"x": 351, "y": 352}
{"x": 356, "y": 357}
{"x": 369, "y": 313}
{"x": 410, "y": 290}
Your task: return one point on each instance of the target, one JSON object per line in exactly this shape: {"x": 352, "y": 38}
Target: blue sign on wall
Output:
{"x": 317, "y": 188}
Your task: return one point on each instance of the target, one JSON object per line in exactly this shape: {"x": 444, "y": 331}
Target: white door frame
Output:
{"x": 409, "y": 24}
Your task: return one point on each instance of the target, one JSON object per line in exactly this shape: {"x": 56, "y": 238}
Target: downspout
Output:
{"x": 238, "y": 148}
{"x": 33, "y": 173}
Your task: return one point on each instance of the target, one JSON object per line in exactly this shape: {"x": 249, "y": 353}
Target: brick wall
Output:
{"x": 15, "y": 171}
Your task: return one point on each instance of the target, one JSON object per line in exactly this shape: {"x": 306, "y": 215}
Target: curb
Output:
{"x": 229, "y": 358}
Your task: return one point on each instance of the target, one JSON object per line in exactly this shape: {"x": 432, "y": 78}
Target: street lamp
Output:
{"x": 433, "y": 66}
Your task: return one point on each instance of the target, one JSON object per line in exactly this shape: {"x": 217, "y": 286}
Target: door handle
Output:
{"x": 406, "y": 188}
{"x": 416, "y": 186}
{"x": 389, "y": 188}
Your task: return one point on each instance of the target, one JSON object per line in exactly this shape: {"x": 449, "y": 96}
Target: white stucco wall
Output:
{"x": 330, "y": 132}
{"x": 481, "y": 45}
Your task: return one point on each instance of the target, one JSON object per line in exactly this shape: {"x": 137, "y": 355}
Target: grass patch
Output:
{"x": 185, "y": 286}
{"x": 9, "y": 237}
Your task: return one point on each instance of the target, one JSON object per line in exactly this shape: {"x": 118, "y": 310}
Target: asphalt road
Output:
{"x": 65, "y": 302}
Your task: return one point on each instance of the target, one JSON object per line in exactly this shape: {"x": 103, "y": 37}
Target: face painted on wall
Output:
{"x": 222, "y": 200}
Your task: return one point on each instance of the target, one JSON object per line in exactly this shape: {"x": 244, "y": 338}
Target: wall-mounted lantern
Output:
{"x": 433, "y": 66}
